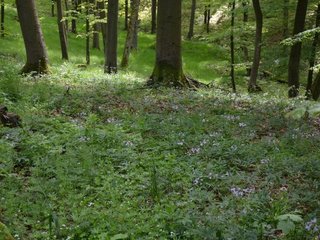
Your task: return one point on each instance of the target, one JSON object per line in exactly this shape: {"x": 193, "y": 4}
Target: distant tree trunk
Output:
{"x": 208, "y": 18}
{"x": 130, "y": 34}
{"x": 244, "y": 47}
{"x": 62, "y": 31}
{"x": 294, "y": 60}
{"x": 52, "y": 8}
{"x": 66, "y": 4}
{"x": 126, "y": 14}
{"x": 312, "y": 59}
{"x": 134, "y": 45}
{"x": 205, "y": 15}
{"x": 2, "y": 19}
{"x": 252, "y": 85}
{"x": 112, "y": 37}
{"x": 233, "y": 6}
{"x": 192, "y": 17}
{"x": 168, "y": 67}
{"x": 37, "y": 58}
{"x": 87, "y": 34}
{"x": 285, "y": 30}
{"x": 95, "y": 26}
{"x": 74, "y": 17}
{"x": 153, "y": 16}
{"x": 103, "y": 26}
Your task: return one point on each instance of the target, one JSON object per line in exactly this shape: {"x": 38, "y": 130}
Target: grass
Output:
{"x": 115, "y": 160}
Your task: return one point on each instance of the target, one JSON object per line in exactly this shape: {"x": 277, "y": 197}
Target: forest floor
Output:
{"x": 102, "y": 157}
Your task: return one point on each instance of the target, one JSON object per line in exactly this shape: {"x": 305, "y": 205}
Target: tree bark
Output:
{"x": 126, "y": 14}
{"x": 245, "y": 21}
{"x": 66, "y": 4}
{"x": 168, "y": 66}
{"x": 205, "y": 13}
{"x": 285, "y": 21}
{"x": 102, "y": 16}
{"x": 37, "y": 57}
{"x": 2, "y": 19}
{"x": 130, "y": 34}
{"x": 153, "y": 16}
{"x": 208, "y": 19}
{"x": 112, "y": 37}
{"x": 62, "y": 32}
{"x": 192, "y": 17}
{"x": 95, "y": 35}
{"x": 87, "y": 34}
{"x": 295, "y": 53}
{"x": 74, "y": 16}
{"x": 312, "y": 59}
{"x": 233, "y": 6}
{"x": 252, "y": 85}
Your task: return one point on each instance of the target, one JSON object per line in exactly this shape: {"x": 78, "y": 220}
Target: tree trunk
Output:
{"x": 245, "y": 21}
{"x": 312, "y": 58}
{"x": 294, "y": 60}
{"x": 130, "y": 34}
{"x": 67, "y": 15}
{"x": 134, "y": 45}
{"x": 95, "y": 35}
{"x": 153, "y": 16}
{"x": 252, "y": 85}
{"x": 2, "y": 19}
{"x": 205, "y": 13}
{"x": 74, "y": 17}
{"x": 62, "y": 32}
{"x": 87, "y": 34}
{"x": 233, "y": 6}
{"x": 103, "y": 26}
{"x": 208, "y": 19}
{"x": 168, "y": 66}
{"x": 285, "y": 30}
{"x": 112, "y": 37}
{"x": 37, "y": 58}
{"x": 316, "y": 87}
{"x": 52, "y": 8}
{"x": 126, "y": 14}
{"x": 192, "y": 17}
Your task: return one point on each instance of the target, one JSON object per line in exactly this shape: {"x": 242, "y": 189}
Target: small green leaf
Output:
{"x": 119, "y": 236}
{"x": 290, "y": 217}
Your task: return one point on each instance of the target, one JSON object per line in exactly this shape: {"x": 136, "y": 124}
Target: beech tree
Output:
{"x": 62, "y": 31}
{"x": 102, "y": 16}
{"x": 168, "y": 66}
{"x": 192, "y": 17}
{"x": 134, "y": 15}
{"x": 295, "y": 53}
{"x": 112, "y": 37}
{"x": 37, "y": 57}
{"x": 252, "y": 85}
{"x": 153, "y": 16}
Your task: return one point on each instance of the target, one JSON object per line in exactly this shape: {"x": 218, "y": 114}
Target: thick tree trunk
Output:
{"x": 192, "y": 17}
{"x": 87, "y": 34}
{"x": 126, "y": 14}
{"x": 2, "y": 19}
{"x": 233, "y": 6}
{"x": 74, "y": 17}
{"x": 112, "y": 37}
{"x": 168, "y": 67}
{"x": 316, "y": 87}
{"x": 62, "y": 32}
{"x": 252, "y": 85}
{"x": 103, "y": 26}
{"x": 153, "y": 16}
{"x": 312, "y": 59}
{"x": 294, "y": 60}
{"x": 37, "y": 58}
{"x": 130, "y": 34}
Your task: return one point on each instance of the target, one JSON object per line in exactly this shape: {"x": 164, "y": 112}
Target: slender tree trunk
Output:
{"x": 134, "y": 45}
{"x": 103, "y": 26}
{"x": 192, "y": 17}
{"x": 168, "y": 66}
{"x": 285, "y": 30}
{"x": 245, "y": 22}
{"x": 112, "y": 37}
{"x": 62, "y": 31}
{"x": 252, "y": 85}
{"x": 312, "y": 59}
{"x": 37, "y": 58}
{"x": 87, "y": 34}
{"x": 126, "y": 14}
{"x": 295, "y": 53}
{"x": 130, "y": 34}
{"x": 96, "y": 37}
{"x": 208, "y": 19}
{"x": 66, "y": 4}
{"x": 52, "y": 8}
{"x": 153, "y": 16}
{"x": 233, "y": 6}
{"x": 74, "y": 17}
{"x": 316, "y": 87}
{"x": 205, "y": 15}
{"x": 2, "y": 19}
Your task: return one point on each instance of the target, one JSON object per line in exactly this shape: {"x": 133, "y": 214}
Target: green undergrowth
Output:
{"x": 102, "y": 157}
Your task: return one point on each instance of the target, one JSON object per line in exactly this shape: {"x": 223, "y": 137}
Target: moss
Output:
{"x": 41, "y": 67}
{"x": 4, "y": 233}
